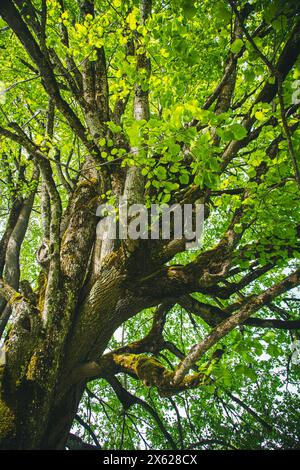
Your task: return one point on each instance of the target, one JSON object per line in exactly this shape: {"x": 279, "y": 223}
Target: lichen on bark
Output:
{"x": 7, "y": 420}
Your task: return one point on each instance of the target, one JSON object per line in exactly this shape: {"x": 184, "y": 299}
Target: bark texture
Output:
{"x": 57, "y": 335}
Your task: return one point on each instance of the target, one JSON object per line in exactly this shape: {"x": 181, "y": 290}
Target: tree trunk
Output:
{"x": 43, "y": 378}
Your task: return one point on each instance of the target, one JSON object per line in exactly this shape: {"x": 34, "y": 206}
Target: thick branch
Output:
{"x": 250, "y": 307}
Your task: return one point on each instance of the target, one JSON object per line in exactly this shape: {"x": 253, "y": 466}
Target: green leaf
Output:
{"x": 236, "y": 46}
{"x": 160, "y": 172}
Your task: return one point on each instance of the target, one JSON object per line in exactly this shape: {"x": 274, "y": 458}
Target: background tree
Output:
{"x": 164, "y": 102}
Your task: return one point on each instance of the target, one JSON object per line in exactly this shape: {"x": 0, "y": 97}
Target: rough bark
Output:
{"x": 57, "y": 336}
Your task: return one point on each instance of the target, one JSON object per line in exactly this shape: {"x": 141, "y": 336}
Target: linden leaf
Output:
{"x": 236, "y": 46}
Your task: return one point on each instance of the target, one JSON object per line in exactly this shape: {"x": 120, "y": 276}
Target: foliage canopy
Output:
{"x": 166, "y": 102}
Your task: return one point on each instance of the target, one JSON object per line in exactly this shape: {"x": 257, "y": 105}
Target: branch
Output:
{"x": 11, "y": 222}
{"x": 288, "y": 133}
{"x": 211, "y": 441}
{"x": 6, "y": 291}
{"x": 72, "y": 67}
{"x": 251, "y": 306}
{"x": 153, "y": 374}
{"x": 134, "y": 183}
{"x": 153, "y": 343}
{"x": 250, "y": 39}
{"x": 249, "y": 410}
{"x": 128, "y": 400}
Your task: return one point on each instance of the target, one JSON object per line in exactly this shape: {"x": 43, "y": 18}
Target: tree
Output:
{"x": 161, "y": 102}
